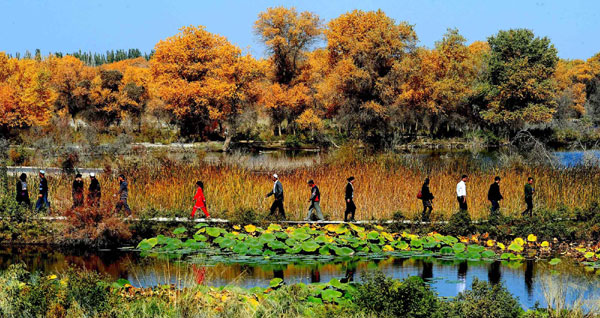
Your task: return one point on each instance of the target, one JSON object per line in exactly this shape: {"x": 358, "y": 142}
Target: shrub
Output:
{"x": 392, "y": 298}
{"x": 94, "y": 227}
{"x": 460, "y": 224}
{"x": 484, "y": 300}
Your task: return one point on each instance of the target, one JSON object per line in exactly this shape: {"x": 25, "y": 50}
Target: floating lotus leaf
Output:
{"x": 343, "y": 251}
{"x": 450, "y": 240}
{"x": 227, "y": 243}
{"x": 416, "y": 243}
{"x": 341, "y": 229}
{"x": 213, "y": 231}
{"x": 324, "y": 250}
{"x": 475, "y": 248}
{"x": 267, "y": 237}
{"x": 515, "y": 247}
{"x": 200, "y": 238}
{"x": 458, "y": 247}
{"x": 291, "y": 242}
{"x": 402, "y": 245}
{"x": 294, "y": 250}
{"x": 300, "y": 236}
{"x": 501, "y": 246}
{"x": 506, "y": 255}
{"x": 519, "y": 241}
{"x": 277, "y": 245}
{"x": 281, "y": 235}
{"x": 200, "y": 225}
{"x": 255, "y": 251}
{"x": 373, "y": 235}
{"x": 375, "y": 248}
{"x": 309, "y": 246}
{"x": 388, "y": 248}
{"x": 179, "y": 230}
{"x": 240, "y": 248}
{"x": 488, "y": 254}
{"x": 152, "y": 241}
{"x": 589, "y": 255}
{"x": 336, "y": 283}
{"x": 473, "y": 255}
{"x": 250, "y": 228}
{"x": 446, "y": 250}
{"x": 268, "y": 253}
{"x": 144, "y": 245}
{"x": 274, "y": 227}
{"x": 321, "y": 239}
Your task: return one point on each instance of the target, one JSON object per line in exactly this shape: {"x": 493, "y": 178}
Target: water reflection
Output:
{"x": 447, "y": 277}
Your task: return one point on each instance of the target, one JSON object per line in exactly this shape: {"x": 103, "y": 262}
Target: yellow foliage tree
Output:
{"x": 26, "y": 97}
{"x": 204, "y": 80}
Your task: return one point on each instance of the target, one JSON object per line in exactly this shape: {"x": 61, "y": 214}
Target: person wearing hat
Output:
{"x": 350, "y": 206}
{"x": 315, "y": 199}
{"x": 200, "y": 200}
{"x": 278, "y": 193}
{"x": 22, "y": 192}
{"x": 42, "y": 201}
{"x": 77, "y": 191}
{"x": 123, "y": 195}
{"x": 94, "y": 192}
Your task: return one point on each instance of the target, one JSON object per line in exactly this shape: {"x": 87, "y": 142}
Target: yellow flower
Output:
{"x": 51, "y": 277}
{"x": 250, "y": 228}
{"x": 532, "y": 238}
{"x": 237, "y": 227}
{"x": 519, "y": 241}
{"x": 490, "y": 243}
{"x": 545, "y": 244}
{"x": 501, "y": 246}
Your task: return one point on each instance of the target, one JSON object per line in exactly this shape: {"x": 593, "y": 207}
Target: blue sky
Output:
{"x": 573, "y": 26}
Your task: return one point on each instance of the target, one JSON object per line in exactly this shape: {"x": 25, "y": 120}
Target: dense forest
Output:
{"x": 361, "y": 76}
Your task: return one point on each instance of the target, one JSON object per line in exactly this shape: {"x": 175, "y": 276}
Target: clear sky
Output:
{"x": 90, "y": 25}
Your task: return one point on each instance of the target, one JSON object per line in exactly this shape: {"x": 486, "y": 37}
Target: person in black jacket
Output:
{"x": 494, "y": 196}
{"x": 350, "y": 206}
{"x": 22, "y": 192}
{"x": 94, "y": 192}
{"x": 427, "y": 198}
{"x": 77, "y": 191}
{"x": 278, "y": 193}
{"x": 42, "y": 201}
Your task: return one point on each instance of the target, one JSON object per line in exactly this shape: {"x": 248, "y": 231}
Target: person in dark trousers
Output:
{"x": 77, "y": 191}
{"x": 315, "y": 202}
{"x": 123, "y": 195}
{"x": 42, "y": 201}
{"x": 427, "y": 198}
{"x": 529, "y": 191}
{"x": 94, "y": 191}
{"x": 350, "y": 206}
{"x": 278, "y": 193}
{"x": 494, "y": 196}
{"x": 22, "y": 192}
{"x": 461, "y": 192}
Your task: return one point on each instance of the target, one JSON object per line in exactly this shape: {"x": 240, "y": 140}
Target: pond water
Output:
{"x": 527, "y": 280}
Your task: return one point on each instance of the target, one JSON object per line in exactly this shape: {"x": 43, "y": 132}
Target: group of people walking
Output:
{"x": 494, "y": 196}
{"x": 77, "y": 191}
{"x": 277, "y": 208}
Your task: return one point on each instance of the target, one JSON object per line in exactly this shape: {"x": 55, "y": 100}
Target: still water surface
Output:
{"x": 526, "y": 280}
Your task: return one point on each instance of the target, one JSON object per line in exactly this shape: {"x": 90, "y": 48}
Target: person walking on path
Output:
{"x": 77, "y": 191}
{"x": 427, "y": 197}
{"x": 461, "y": 192}
{"x": 94, "y": 191}
{"x": 22, "y": 192}
{"x": 278, "y": 193}
{"x": 200, "y": 200}
{"x": 123, "y": 195}
{"x": 42, "y": 201}
{"x": 315, "y": 199}
{"x": 350, "y": 206}
{"x": 494, "y": 196}
{"x": 529, "y": 191}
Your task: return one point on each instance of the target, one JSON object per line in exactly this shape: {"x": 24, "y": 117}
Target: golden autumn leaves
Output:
{"x": 368, "y": 79}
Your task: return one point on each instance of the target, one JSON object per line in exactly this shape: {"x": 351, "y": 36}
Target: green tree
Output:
{"x": 520, "y": 86}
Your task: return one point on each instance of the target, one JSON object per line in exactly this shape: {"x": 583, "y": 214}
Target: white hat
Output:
{"x": 275, "y": 176}
{"x": 42, "y": 172}
{"x": 92, "y": 174}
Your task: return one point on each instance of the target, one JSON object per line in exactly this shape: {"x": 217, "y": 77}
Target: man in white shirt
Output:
{"x": 461, "y": 192}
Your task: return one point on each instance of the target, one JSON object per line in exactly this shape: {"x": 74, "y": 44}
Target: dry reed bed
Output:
{"x": 381, "y": 189}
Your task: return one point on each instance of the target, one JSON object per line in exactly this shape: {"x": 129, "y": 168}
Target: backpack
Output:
{"x": 420, "y": 195}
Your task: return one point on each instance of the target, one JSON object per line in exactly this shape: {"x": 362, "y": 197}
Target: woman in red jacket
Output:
{"x": 200, "y": 200}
